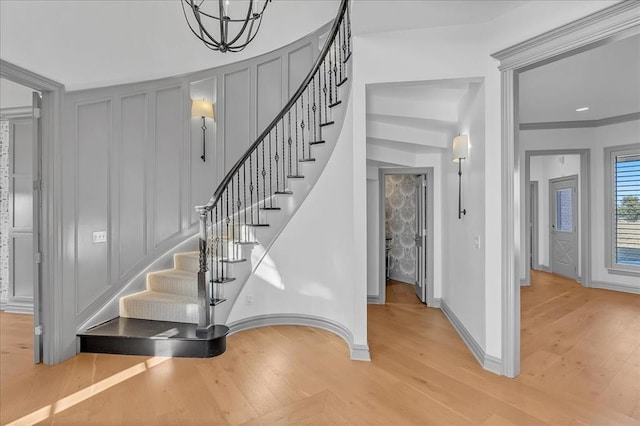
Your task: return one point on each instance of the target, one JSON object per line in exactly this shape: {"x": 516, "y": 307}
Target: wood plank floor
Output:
{"x": 581, "y": 365}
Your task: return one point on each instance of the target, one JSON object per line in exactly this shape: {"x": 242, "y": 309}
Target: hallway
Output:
{"x": 580, "y": 363}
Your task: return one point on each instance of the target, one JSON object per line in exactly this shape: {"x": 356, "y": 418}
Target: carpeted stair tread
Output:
{"x": 153, "y": 305}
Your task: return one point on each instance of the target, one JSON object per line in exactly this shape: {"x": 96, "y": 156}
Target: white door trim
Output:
{"x": 613, "y": 23}
{"x": 51, "y": 303}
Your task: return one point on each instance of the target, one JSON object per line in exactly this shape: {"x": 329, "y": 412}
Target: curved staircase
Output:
{"x": 181, "y": 311}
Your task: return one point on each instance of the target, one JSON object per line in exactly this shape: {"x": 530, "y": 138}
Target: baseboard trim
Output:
{"x": 492, "y": 364}
{"x": 544, "y": 268}
{"x": 435, "y": 303}
{"x": 624, "y": 288}
{"x": 524, "y": 282}
{"x": 374, "y": 300}
{"x": 358, "y": 352}
{"x": 488, "y": 362}
{"x": 18, "y": 308}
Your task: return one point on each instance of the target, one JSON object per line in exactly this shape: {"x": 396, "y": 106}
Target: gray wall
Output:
{"x": 132, "y": 167}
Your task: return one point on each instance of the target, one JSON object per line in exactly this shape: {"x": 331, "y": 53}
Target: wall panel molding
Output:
{"x": 92, "y": 202}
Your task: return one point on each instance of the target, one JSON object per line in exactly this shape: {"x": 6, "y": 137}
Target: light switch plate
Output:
{"x": 100, "y": 237}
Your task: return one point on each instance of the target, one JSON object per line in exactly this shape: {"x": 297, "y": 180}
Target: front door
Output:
{"x": 563, "y": 217}
{"x": 420, "y": 237}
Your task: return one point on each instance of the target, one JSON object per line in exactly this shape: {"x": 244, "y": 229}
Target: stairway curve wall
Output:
{"x": 307, "y": 275}
{"x": 131, "y": 169}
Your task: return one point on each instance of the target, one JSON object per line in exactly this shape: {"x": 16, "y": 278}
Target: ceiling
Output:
{"x": 85, "y": 44}
{"x": 103, "y": 42}
{"x": 606, "y": 79}
{"x": 371, "y": 16}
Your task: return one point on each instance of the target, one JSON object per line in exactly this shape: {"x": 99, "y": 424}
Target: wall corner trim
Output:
{"x": 357, "y": 352}
{"x": 488, "y": 362}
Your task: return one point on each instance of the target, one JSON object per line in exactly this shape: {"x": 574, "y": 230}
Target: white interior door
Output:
{"x": 563, "y": 217}
{"x": 421, "y": 236}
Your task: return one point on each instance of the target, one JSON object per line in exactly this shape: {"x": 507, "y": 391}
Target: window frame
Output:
{"x": 610, "y": 154}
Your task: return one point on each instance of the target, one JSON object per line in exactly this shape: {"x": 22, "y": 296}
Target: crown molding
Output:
{"x": 619, "y": 21}
{"x": 551, "y": 125}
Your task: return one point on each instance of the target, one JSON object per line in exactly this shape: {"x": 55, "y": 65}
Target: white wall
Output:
{"x": 594, "y": 139}
{"x": 542, "y": 169}
{"x": 458, "y": 52}
{"x": 463, "y": 259}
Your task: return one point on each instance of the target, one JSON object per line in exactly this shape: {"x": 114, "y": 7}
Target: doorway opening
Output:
{"x": 556, "y": 214}
{"x": 406, "y": 233}
{"x": 35, "y": 186}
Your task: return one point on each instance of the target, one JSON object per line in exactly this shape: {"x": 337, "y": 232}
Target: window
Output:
{"x": 622, "y": 187}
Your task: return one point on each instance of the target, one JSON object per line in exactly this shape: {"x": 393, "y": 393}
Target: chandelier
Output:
{"x": 226, "y": 25}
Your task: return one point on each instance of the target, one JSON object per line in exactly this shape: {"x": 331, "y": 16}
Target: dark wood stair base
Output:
{"x": 130, "y": 336}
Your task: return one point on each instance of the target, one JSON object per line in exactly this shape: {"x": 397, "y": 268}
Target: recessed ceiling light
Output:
{"x": 582, "y": 109}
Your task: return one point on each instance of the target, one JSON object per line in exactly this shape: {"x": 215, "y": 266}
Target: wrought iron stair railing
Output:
{"x": 263, "y": 172}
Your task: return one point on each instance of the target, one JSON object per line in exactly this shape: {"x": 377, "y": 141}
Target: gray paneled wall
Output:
{"x": 132, "y": 167}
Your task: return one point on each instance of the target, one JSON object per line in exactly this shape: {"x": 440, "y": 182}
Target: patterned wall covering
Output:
{"x": 400, "y": 210}
{"x": 4, "y": 212}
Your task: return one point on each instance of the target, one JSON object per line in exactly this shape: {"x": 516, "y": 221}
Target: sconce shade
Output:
{"x": 202, "y": 108}
{"x": 460, "y": 147}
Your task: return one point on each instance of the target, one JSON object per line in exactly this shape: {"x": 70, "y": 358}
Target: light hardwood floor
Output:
{"x": 580, "y": 365}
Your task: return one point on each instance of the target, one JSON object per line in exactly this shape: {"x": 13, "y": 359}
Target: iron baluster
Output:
{"x": 314, "y": 109}
{"x": 250, "y": 190}
{"x": 308, "y": 124}
{"x": 276, "y": 158}
{"x": 244, "y": 199}
{"x": 264, "y": 176}
{"x": 297, "y": 157}
{"x": 289, "y": 141}
{"x": 270, "y": 181}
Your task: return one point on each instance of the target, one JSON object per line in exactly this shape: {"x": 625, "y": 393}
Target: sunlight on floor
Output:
{"x": 86, "y": 393}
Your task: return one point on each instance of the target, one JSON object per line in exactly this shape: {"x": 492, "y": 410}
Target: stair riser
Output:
{"x": 144, "y": 309}
{"x": 186, "y": 262}
{"x": 173, "y": 285}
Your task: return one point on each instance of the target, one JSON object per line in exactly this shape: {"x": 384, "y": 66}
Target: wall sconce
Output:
{"x": 460, "y": 152}
{"x": 202, "y": 108}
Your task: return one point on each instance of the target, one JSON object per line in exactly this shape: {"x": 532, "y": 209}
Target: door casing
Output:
{"x": 50, "y": 288}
